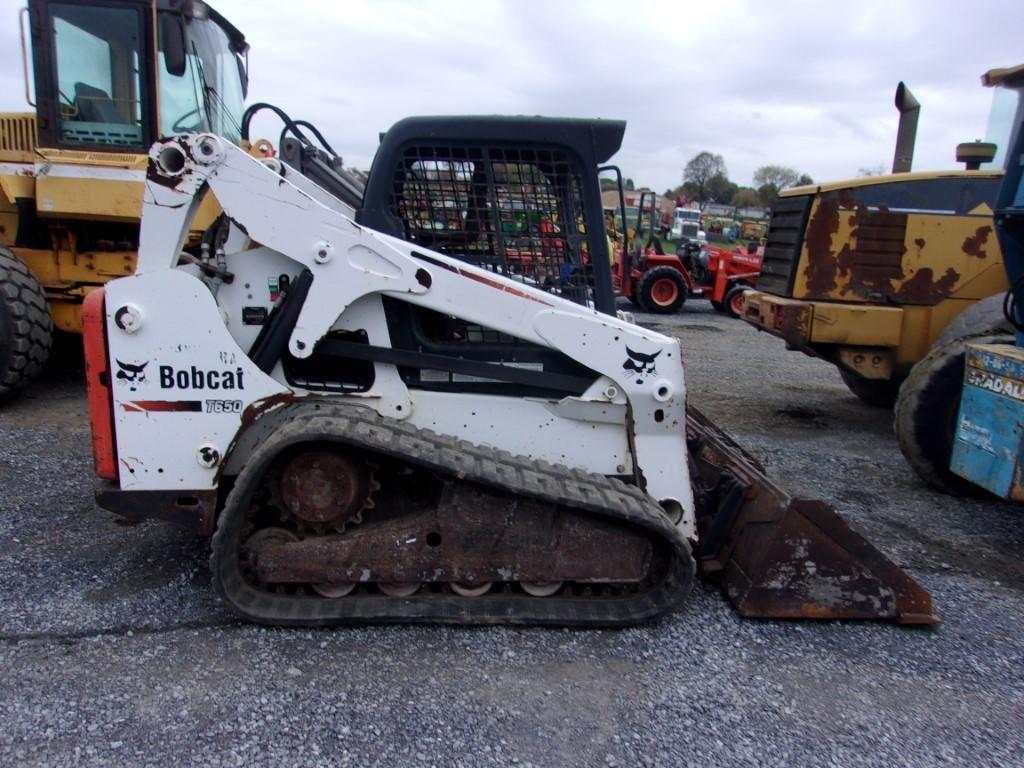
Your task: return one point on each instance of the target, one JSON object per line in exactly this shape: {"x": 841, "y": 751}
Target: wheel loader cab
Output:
{"x": 104, "y": 81}
{"x": 98, "y": 90}
{"x": 109, "y": 77}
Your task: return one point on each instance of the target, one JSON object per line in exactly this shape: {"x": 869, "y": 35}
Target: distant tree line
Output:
{"x": 706, "y": 180}
{"x": 607, "y": 183}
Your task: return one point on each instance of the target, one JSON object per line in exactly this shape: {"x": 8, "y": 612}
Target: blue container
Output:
{"x": 987, "y": 449}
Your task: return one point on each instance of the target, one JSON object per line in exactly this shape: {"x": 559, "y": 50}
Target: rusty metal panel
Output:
{"x": 786, "y": 318}
{"x": 914, "y": 241}
{"x": 856, "y": 324}
{"x": 851, "y": 250}
{"x": 472, "y": 536}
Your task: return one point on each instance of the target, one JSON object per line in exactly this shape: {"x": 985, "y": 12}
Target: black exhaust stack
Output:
{"x": 909, "y": 109}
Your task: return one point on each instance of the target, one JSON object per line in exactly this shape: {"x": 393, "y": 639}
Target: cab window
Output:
{"x": 99, "y": 83}
{"x": 515, "y": 211}
{"x": 208, "y": 94}
{"x": 181, "y": 99}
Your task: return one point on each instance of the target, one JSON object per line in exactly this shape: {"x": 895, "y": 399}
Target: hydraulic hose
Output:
{"x": 291, "y": 126}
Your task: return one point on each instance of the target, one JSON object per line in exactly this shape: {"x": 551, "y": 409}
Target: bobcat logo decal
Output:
{"x": 131, "y": 374}
{"x": 641, "y": 364}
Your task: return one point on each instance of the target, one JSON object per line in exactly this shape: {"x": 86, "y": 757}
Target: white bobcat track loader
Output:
{"x": 426, "y": 409}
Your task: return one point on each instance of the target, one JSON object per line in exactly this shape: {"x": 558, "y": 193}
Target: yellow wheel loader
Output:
{"x": 872, "y": 274}
{"x": 107, "y": 80}
{"x": 866, "y": 273}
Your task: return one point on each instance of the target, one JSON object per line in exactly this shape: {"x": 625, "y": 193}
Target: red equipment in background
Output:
{"x": 661, "y": 282}
{"x": 732, "y": 273}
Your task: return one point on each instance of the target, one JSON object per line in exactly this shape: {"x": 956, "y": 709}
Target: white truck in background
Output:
{"x": 686, "y": 225}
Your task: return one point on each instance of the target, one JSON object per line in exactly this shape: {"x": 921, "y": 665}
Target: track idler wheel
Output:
{"x": 541, "y": 588}
{"x": 258, "y": 543}
{"x": 334, "y": 591}
{"x": 471, "y": 590}
{"x": 399, "y": 589}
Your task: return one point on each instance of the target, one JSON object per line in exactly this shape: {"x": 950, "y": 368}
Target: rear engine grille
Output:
{"x": 784, "y": 243}
{"x": 17, "y": 136}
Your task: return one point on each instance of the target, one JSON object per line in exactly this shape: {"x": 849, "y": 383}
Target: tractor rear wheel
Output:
{"x": 662, "y": 290}
{"x": 733, "y": 301}
{"x": 26, "y": 330}
{"x": 927, "y": 412}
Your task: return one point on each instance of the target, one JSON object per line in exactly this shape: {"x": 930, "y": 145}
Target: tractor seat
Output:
{"x": 95, "y": 106}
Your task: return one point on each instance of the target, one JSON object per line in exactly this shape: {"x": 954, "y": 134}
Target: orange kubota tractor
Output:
{"x": 661, "y": 282}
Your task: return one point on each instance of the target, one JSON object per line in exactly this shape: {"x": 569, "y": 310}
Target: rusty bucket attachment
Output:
{"x": 779, "y": 557}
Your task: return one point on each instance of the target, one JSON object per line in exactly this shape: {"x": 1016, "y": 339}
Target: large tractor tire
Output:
{"x": 26, "y": 330}
{"x": 985, "y": 316}
{"x": 662, "y": 290}
{"x": 927, "y": 412}
{"x": 880, "y": 393}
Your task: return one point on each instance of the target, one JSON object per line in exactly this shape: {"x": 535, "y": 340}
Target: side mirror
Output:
{"x": 172, "y": 43}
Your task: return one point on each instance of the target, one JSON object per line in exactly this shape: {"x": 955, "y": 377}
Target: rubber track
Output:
{"x": 31, "y": 329}
{"x": 364, "y": 429}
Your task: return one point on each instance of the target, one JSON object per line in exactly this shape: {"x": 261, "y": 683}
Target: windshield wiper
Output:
{"x": 206, "y": 87}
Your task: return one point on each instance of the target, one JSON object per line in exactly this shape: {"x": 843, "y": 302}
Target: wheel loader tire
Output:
{"x": 733, "y": 301}
{"x": 985, "y": 316}
{"x": 26, "y": 330}
{"x": 662, "y": 290}
{"x": 880, "y": 393}
{"x": 927, "y": 410}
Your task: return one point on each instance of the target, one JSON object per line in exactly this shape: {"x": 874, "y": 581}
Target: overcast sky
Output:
{"x": 808, "y": 85}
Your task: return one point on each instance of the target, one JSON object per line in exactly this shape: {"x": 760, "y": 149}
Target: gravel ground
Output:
{"x": 115, "y": 651}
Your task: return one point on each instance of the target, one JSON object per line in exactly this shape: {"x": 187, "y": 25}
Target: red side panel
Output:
{"x": 97, "y": 381}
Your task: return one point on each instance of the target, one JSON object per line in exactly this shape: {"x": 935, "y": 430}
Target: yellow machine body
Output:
{"x": 69, "y": 189}
{"x": 867, "y": 273}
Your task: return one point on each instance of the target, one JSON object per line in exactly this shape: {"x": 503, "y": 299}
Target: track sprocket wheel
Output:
{"x": 322, "y": 490}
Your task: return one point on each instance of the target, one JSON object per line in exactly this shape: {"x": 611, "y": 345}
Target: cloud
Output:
{"x": 804, "y": 84}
